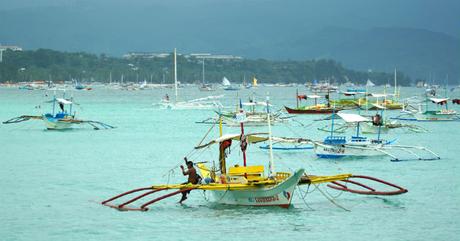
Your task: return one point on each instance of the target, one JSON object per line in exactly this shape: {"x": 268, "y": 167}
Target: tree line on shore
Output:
{"x": 46, "y": 64}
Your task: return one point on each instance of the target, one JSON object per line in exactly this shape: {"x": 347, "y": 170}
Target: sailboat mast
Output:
{"x": 202, "y": 72}
{"x": 54, "y": 102}
{"x": 243, "y": 147}
{"x": 297, "y": 98}
{"x": 175, "y": 75}
{"x": 395, "y": 85}
{"x": 271, "y": 163}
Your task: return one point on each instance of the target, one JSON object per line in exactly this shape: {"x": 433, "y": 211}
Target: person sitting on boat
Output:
{"x": 61, "y": 105}
{"x": 166, "y": 98}
{"x": 377, "y": 120}
{"x": 193, "y": 177}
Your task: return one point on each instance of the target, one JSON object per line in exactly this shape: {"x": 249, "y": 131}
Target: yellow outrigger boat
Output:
{"x": 245, "y": 185}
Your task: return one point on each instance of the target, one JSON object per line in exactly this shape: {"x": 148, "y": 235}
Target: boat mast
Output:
{"x": 297, "y": 97}
{"x": 202, "y": 72}
{"x": 396, "y": 91}
{"x": 271, "y": 163}
{"x": 222, "y": 164}
{"x": 332, "y": 122}
{"x": 175, "y": 74}
{"x": 242, "y": 133}
{"x": 71, "y": 103}
{"x": 54, "y": 102}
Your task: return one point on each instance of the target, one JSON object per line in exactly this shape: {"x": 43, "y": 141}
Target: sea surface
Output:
{"x": 52, "y": 182}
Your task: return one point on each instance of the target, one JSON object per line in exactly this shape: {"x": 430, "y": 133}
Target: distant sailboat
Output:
{"x": 208, "y": 102}
{"x": 204, "y": 86}
{"x": 254, "y": 82}
{"x": 369, "y": 83}
{"x": 225, "y": 82}
{"x": 228, "y": 86}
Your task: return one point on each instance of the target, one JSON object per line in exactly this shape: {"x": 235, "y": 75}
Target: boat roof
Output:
{"x": 252, "y": 138}
{"x": 439, "y": 100}
{"x": 352, "y": 92}
{"x": 376, "y": 95}
{"x": 64, "y": 101}
{"x": 351, "y": 118}
{"x": 313, "y": 96}
{"x": 255, "y": 103}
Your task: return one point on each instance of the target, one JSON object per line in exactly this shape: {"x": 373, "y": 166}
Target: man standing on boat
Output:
{"x": 193, "y": 177}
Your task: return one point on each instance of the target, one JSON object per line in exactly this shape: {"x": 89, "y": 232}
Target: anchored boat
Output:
{"x": 246, "y": 185}
{"x": 360, "y": 146}
{"x": 60, "y": 118}
{"x": 314, "y": 109}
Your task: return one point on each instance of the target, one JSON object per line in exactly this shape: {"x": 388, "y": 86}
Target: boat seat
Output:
{"x": 252, "y": 172}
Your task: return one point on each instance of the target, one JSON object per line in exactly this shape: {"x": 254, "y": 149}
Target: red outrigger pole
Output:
{"x": 143, "y": 207}
{"x": 366, "y": 190}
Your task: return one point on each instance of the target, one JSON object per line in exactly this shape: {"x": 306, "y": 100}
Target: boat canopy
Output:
{"x": 313, "y": 96}
{"x": 255, "y": 103}
{"x": 439, "y": 100}
{"x": 378, "y": 95}
{"x": 64, "y": 101}
{"x": 348, "y": 93}
{"x": 351, "y": 118}
{"x": 251, "y": 138}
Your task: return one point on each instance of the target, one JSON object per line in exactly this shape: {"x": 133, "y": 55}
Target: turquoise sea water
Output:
{"x": 52, "y": 182}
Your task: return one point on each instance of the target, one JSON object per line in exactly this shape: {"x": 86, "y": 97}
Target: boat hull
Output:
{"x": 277, "y": 195}
{"x": 435, "y": 116}
{"x": 310, "y": 111}
{"x": 55, "y": 124}
{"x": 345, "y": 151}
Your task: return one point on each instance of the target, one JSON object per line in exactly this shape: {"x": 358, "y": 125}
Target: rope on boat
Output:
{"x": 303, "y": 196}
{"x": 332, "y": 200}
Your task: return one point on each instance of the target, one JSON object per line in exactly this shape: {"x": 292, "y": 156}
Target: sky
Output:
{"x": 273, "y": 29}
{"x": 435, "y": 15}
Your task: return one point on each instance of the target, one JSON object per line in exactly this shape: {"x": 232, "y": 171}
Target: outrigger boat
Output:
{"x": 360, "y": 146}
{"x": 254, "y": 116}
{"x": 246, "y": 185}
{"x": 389, "y": 104}
{"x": 314, "y": 109}
{"x": 412, "y": 113}
{"x": 347, "y": 103}
{"x": 380, "y": 124}
{"x": 60, "y": 120}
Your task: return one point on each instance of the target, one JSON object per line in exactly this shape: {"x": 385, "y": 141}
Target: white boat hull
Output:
{"x": 341, "y": 151}
{"x": 53, "y": 124}
{"x": 279, "y": 195}
{"x": 436, "y": 117}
